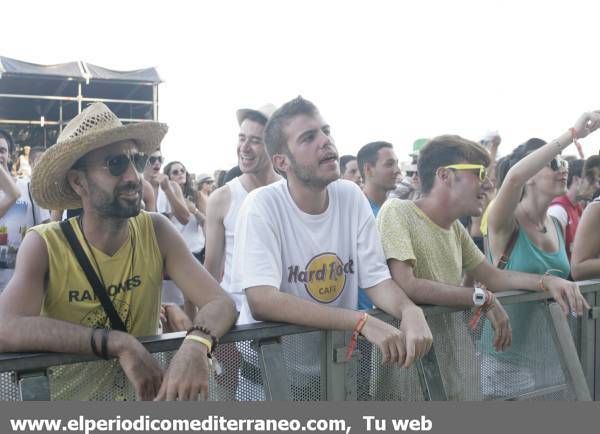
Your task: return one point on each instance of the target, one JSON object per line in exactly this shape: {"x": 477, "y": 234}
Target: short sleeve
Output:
{"x": 394, "y": 230}
{"x": 257, "y": 249}
{"x": 471, "y": 255}
{"x": 372, "y": 268}
{"x": 559, "y": 213}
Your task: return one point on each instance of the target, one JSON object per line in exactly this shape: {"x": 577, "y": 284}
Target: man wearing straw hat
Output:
{"x": 51, "y": 304}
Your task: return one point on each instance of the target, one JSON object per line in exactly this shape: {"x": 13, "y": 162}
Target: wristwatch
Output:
{"x": 479, "y": 296}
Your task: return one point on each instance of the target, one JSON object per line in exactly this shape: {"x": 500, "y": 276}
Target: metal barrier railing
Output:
{"x": 282, "y": 361}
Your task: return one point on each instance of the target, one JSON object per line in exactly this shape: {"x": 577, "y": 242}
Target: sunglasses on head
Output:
{"x": 558, "y": 163}
{"x": 477, "y": 167}
{"x": 117, "y": 165}
{"x": 153, "y": 160}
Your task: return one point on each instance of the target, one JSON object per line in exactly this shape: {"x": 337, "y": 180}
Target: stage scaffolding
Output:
{"x": 37, "y": 101}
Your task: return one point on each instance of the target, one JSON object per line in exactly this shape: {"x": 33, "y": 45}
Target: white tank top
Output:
{"x": 192, "y": 231}
{"x": 237, "y": 193}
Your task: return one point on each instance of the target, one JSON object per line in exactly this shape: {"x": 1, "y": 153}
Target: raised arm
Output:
{"x": 175, "y": 197}
{"x": 585, "y": 260}
{"x": 501, "y": 215}
{"x": 10, "y": 189}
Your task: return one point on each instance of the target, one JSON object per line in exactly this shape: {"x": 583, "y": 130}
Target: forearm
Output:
{"x": 422, "y": 291}
{"x": 218, "y": 315}
{"x": 7, "y": 185}
{"x": 538, "y": 159}
{"x": 389, "y": 297}
{"x": 42, "y": 334}
{"x": 178, "y": 207}
{"x": 505, "y": 280}
{"x": 281, "y": 307}
{"x": 5, "y": 203}
{"x": 588, "y": 269}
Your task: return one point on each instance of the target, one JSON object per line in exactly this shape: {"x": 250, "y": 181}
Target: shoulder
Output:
{"x": 343, "y": 187}
{"x": 397, "y": 207}
{"x": 218, "y": 201}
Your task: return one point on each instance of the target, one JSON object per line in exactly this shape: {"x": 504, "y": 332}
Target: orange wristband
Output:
{"x": 354, "y": 339}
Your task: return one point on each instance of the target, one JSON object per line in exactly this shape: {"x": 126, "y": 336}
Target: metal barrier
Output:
{"x": 268, "y": 361}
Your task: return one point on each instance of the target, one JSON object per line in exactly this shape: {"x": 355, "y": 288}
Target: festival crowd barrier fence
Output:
{"x": 558, "y": 359}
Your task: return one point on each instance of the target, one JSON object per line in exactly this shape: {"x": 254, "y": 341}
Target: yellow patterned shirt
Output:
{"x": 133, "y": 279}
{"x": 439, "y": 255}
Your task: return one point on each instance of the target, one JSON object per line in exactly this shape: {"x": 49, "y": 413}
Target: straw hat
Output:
{"x": 265, "y": 111}
{"x": 93, "y": 128}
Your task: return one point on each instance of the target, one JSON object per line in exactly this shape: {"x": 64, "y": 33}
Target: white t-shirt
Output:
{"x": 323, "y": 258}
{"x": 237, "y": 195}
{"x": 560, "y": 213}
{"x": 20, "y": 216}
{"x": 192, "y": 231}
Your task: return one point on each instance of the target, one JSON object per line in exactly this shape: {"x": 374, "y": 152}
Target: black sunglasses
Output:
{"x": 558, "y": 163}
{"x": 117, "y": 164}
{"x": 153, "y": 160}
{"x": 177, "y": 172}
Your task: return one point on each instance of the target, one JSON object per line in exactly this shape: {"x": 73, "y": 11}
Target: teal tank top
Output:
{"x": 528, "y": 258}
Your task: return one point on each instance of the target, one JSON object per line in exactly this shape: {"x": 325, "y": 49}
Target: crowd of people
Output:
{"x": 114, "y": 244}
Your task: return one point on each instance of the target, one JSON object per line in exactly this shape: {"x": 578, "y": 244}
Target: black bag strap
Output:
{"x": 32, "y": 204}
{"x": 92, "y": 277}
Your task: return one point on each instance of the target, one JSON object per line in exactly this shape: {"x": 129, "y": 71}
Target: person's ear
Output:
{"x": 77, "y": 181}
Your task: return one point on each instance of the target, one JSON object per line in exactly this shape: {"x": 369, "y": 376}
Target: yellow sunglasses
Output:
{"x": 482, "y": 169}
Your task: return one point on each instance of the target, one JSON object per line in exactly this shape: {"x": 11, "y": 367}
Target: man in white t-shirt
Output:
{"x": 221, "y": 216}
{"x": 303, "y": 246}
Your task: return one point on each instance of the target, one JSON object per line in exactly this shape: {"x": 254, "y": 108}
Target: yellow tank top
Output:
{"x": 133, "y": 279}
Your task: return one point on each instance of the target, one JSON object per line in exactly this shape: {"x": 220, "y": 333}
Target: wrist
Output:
{"x": 411, "y": 308}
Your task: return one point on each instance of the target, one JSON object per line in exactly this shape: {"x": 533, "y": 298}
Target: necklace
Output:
{"x": 542, "y": 229}
{"x": 89, "y": 247}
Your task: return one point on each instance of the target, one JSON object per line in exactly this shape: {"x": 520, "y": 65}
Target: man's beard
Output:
{"x": 307, "y": 175}
{"x": 112, "y": 206}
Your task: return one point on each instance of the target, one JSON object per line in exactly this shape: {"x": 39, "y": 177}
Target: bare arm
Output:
{"x": 566, "y": 293}
{"x": 10, "y": 189}
{"x": 22, "y": 329}
{"x": 148, "y": 195}
{"x": 585, "y": 260}
{"x": 423, "y": 291}
{"x": 188, "y": 374}
{"x": 269, "y": 304}
{"x": 501, "y": 215}
{"x": 218, "y": 205}
{"x": 216, "y": 309}
{"x": 176, "y": 200}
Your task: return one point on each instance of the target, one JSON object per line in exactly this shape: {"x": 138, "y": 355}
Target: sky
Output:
{"x": 377, "y": 70}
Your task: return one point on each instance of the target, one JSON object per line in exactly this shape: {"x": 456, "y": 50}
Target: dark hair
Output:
{"x": 255, "y": 117}
{"x": 9, "y": 141}
{"x": 233, "y": 173}
{"x": 368, "y": 154}
{"x": 575, "y": 169}
{"x": 344, "y": 160}
{"x": 515, "y": 156}
{"x": 590, "y": 164}
{"x": 188, "y": 187}
{"x": 275, "y": 137}
{"x": 444, "y": 151}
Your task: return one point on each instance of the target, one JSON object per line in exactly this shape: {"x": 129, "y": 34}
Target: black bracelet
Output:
{"x": 207, "y": 332}
{"x": 104, "y": 354}
{"x": 93, "y": 342}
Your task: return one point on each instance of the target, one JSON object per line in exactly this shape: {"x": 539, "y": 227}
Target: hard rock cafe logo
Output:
{"x": 324, "y": 277}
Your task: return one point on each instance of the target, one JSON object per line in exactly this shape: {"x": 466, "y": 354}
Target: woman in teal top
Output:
{"x": 529, "y": 258}
{"x": 528, "y": 180}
